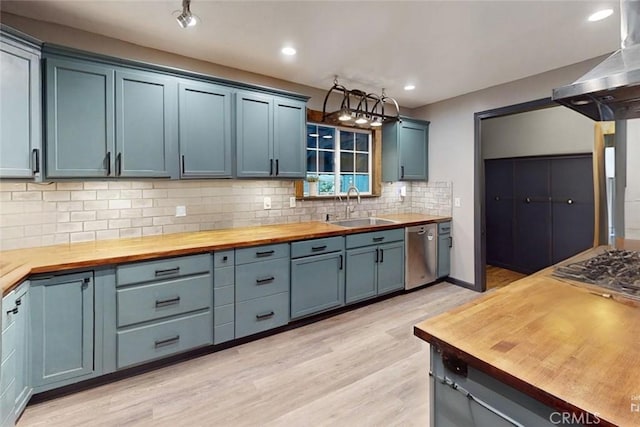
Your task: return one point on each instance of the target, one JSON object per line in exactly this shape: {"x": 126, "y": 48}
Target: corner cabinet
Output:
{"x": 20, "y": 106}
{"x": 270, "y": 140}
{"x": 108, "y": 122}
{"x": 63, "y": 329}
{"x": 204, "y": 121}
{"x": 405, "y": 150}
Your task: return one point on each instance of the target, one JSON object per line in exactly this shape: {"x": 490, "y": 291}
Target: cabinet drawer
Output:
{"x": 145, "y": 343}
{"x": 262, "y": 314}
{"x": 262, "y": 279}
{"x": 157, "y": 300}
{"x": 224, "y": 333}
{"x": 223, "y": 314}
{"x": 444, "y": 228}
{"x": 223, "y": 277}
{"x": 261, "y": 253}
{"x": 316, "y": 246}
{"x": 223, "y": 296}
{"x": 167, "y": 268}
{"x": 224, "y": 259}
{"x": 375, "y": 238}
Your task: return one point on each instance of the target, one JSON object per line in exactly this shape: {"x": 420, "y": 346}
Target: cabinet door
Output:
{"x": 573, "y": 206}
{"x": 289, "y": 138}
{"x": 444, "y": 255}
{"x": 20, "y": 121}
{"x": 23, "y": 334}
{"x": 390, "y": 267}
{"x": 205, "y": 131}
{"x": 63, "y": 328}
{"x": 499, "y": 211}
{"x": 317, "y": 283}
{"x": 254, "y": 135}
{"x": 412, "y": 147}
{"x": 80, "y": 125}
{"x": 8, "y": 359}
{"x": 532, "y": 246}
{"x": 361, "y": 274}
{"x": 145, "y": 117}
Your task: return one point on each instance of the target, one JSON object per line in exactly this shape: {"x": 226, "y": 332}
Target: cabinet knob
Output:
{"x": 570, "y": 202}
{"x": 497, "y": 198}
{"x": 527, "y": 200}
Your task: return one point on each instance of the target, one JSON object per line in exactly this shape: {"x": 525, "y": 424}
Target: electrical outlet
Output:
{"x": 267, "y": 202}
{"x": 181, "y": 211}
{"x": 456, "y": 202}
{"x": 292, "y": 202}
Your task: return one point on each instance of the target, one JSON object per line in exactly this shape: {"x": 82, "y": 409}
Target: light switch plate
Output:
{"x": 267, "y": 202}
{"x": 292, "y": 202}
{"x": 181, "y": 211}
{"x": 456, "y": 202}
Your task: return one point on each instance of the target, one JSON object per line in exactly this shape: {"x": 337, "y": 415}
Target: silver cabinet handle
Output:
{"x": 265, "y": 316}
{"x": 168, "y": 341}
{"x": 167, "y": 272}
{"x": 167, "y": 302}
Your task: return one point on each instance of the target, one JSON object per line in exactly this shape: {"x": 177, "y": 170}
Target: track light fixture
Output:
{"x": 361, "y": 115}
{"x": 186, "y": 18}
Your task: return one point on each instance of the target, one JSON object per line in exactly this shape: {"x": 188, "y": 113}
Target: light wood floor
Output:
{"x": 361, "y": 368}
{"x": 498, "y": 277}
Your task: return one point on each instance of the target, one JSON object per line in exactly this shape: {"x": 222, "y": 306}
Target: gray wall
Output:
{"x": 556, "y": 130}
{"x": 451, "y": 146}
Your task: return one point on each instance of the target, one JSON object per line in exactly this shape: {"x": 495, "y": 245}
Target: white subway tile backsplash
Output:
{"x": 96, "y": 210}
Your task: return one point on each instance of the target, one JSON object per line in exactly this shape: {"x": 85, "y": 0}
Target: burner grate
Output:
{"x": 613, "y": 269}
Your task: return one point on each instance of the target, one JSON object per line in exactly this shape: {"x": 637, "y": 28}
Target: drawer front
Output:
{"x": 224, "y": 333}
{"x": 444, "y": 228}
{"x": 162, "y": 339}
{"x": 262, "y": 253}
{"x": 261, "y": 314}
{"x": 262, "y": 279}
{"x": 316, "y": 246}
{"x": 375, "y": 238}
{"x": 223, "y": 277}
{"x": 169, "y": 268}
{"x": 223, "y": 314}
{"x": 224, "y": 259}
{"x": 223, "y": 296}
{"x": 158, "y": 300}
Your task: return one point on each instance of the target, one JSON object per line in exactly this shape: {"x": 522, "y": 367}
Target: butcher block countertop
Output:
{"x": 16, "y": 265}
{"x": 563, "y": 343}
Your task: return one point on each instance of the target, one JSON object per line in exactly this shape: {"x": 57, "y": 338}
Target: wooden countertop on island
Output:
{"x": 16, "y": 265}
{"x": 561, "y": 343}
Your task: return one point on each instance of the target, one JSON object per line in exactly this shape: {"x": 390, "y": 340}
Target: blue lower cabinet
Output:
{"x": 317, "y": 283}
{"x": 390, "y": 267}
{"x": 148, "y": 342}
{"x": 445, "y": 242}
{"x": 261, "y": 314}
{"x": 361, "y": 274}
{"x": 23, "y": 389}
{"x": 8, "y": 360}
{"x": 63, "y": 328}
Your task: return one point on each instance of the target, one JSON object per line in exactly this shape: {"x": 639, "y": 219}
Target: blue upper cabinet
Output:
{"x": 80, "y": 119}
{"x": 269, "y": 136}
{"x": 204, "y": 119}
{"x": 146, "y": 121}
{"x": 405, "y": 147}
{"x": 20, "y": 106}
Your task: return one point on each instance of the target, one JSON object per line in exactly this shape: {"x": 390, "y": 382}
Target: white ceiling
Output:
{"x": 445, "y": 48}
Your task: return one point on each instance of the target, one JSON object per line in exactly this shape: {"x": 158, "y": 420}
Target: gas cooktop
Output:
{"x": 613, "y": 269}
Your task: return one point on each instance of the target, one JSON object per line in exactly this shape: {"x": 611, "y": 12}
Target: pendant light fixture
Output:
{"x": 186, "y": 18}
{"x": 368, "y": 110}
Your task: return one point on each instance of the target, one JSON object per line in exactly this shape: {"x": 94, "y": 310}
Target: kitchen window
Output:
{"x": 339, "y": 157}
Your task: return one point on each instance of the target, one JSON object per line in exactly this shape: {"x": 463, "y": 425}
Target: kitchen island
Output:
{"x": 541, "y": 351}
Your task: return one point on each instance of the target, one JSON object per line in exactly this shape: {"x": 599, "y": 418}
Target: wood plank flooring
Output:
{"x": 498, "y": 277}
{"x": 361, "y": 368}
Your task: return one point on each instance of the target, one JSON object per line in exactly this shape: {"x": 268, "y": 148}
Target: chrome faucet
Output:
{"x": 349, "y": 209}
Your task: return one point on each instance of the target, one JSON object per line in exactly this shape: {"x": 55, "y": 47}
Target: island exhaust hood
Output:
{"x": 611, "y": 91}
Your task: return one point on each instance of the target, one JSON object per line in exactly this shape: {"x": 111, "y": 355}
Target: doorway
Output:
{"x": 515, "y": 146}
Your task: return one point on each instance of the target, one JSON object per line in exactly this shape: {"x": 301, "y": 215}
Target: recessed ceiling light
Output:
{"x": 409, "y": 87}
{"x": 288, "y": 50}
{"x": 600, "y": 15}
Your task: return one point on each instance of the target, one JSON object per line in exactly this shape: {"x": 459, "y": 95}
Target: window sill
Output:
{"x": 364, "y": 196}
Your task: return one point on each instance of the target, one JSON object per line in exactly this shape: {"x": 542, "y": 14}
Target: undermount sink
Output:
{"x": 362, "y": 222}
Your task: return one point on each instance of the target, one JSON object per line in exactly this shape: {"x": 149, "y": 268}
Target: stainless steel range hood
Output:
{"x": 611, "y": 91}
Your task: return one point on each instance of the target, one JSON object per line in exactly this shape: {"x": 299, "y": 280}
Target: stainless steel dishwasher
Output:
{"x": 421, "y": 257}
